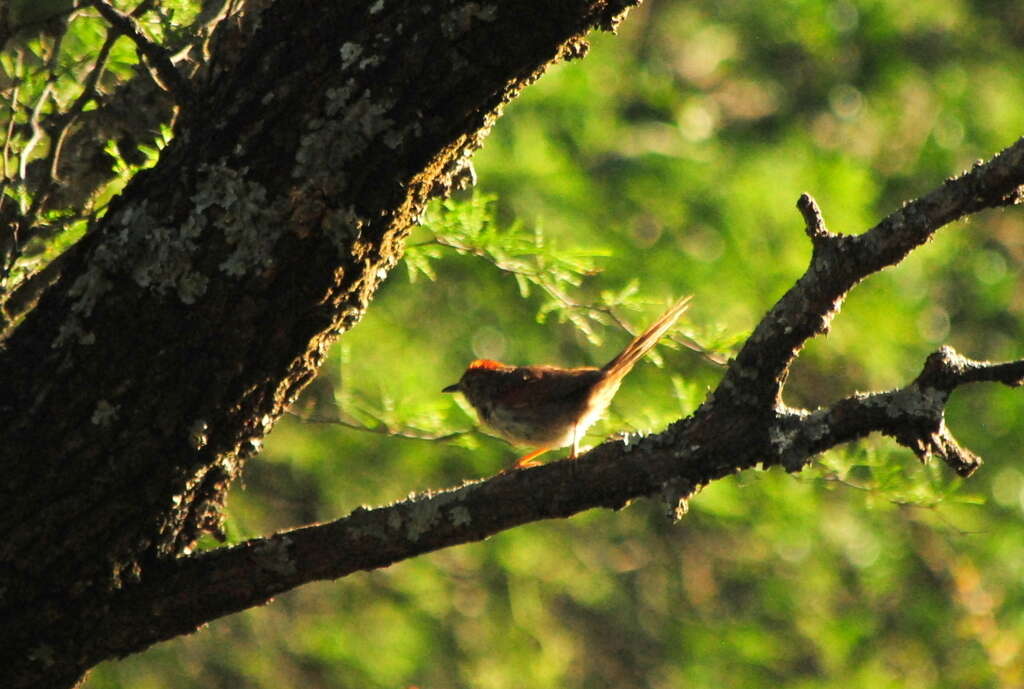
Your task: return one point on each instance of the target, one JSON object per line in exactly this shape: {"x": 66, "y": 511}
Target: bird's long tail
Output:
{"x": 642, "y": 343}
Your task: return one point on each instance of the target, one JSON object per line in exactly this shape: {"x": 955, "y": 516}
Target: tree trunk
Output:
{"x": 196, "y": 310}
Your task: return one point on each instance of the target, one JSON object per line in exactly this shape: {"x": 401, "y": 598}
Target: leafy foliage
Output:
{"x": 59, "y": 64}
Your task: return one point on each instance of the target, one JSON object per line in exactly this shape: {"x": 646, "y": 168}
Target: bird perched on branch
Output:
{"x": 547, "y": 407}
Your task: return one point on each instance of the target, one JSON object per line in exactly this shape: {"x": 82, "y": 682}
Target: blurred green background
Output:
{"x": 668, "y": 162}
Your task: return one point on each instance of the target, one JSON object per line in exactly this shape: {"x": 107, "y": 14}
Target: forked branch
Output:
{"x": 913, "y": 415}
{"x": 841, "y": 261}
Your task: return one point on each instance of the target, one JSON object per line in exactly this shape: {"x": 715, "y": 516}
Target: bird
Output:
{"x": 549, "y": 407}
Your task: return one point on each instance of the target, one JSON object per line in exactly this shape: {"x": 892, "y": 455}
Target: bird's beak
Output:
{"x": 452, "y": 388}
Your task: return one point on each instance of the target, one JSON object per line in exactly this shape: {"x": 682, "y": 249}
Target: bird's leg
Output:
{"x": 527, "y": 459}
{"x": 575, "y": 450}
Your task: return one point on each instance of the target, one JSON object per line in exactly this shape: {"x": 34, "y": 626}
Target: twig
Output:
{"x": 812, "y": 217}
{"x": 12, "y": 107}
{"x": 65, "y": 122}
{"x": 537, "y": 278}
{"x": 932, "y": 506}
{"x": 88, "y": 93}
{"x": 384, "y": 429}
{"x": 913, "y": 415}
{"x": 37, "y": 130}
{"x": 161, "y": 68}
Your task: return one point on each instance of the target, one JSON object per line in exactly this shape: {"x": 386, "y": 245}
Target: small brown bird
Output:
{"x": 547, "y": 407}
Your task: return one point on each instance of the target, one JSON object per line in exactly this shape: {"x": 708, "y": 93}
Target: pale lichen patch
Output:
{"x": 43, "y": 654}
{"x": 350, "y": 52}
{"x": 274, "y": 556}
{"x": 459, "y": 20}
{"x": 459, "y": 516}
{"x": 816, "y": 425}
{"x": 104, "y": 414}
{"x": 367, "y": 62}
{"x": 192, "y": 286}
{"x": 345, "y": 131}
{"x": 423, "y": 515}
{"x": 675, "y": 496}
{"x": 71, "y": 330}
{"x": 916, "y": 401}
{"x": 241, "y": 211}
{"x": 87, "y": 289}
{"x": 160, "y": 256}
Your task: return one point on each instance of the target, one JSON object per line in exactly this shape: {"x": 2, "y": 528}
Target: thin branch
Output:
{"x": 626, "y": 327}
{"x": 37, "y": 129}
{"x": 10, "y": 218}
{"x": 27, "y": 292}
{"x": 407, "y": 433}
{"x": 24, "y": 228}
{"x": 117, "y": 114}
{"x": 66, "y": 121}
{"x": 84, "y": 98}
{"x": 13, "y": 108}
{"x": 812, "y": 217}
{"x": 537, "y": 277}
{"x": 946, "y": 370}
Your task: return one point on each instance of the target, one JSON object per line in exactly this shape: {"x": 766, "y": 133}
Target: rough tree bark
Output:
{"x": 194, "y": 313}
{"x": 187, "y": 321}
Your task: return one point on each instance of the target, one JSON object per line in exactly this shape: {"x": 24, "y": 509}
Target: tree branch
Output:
{"x": 912, "y": 415}
{"x": 839, "y": 262}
